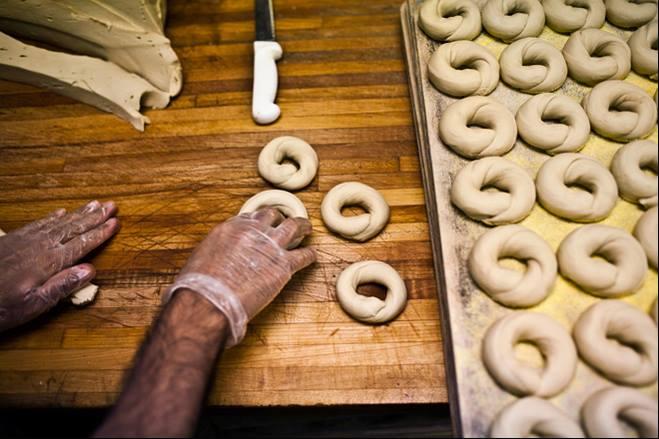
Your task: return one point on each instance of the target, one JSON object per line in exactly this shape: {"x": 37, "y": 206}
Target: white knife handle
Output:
{"x": 264, "y": 109}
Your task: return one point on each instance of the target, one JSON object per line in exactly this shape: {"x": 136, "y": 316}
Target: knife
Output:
{"x": 266, "y": 52}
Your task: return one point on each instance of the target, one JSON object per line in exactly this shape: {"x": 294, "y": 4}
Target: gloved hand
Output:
{"x": 37, "y": 261}
{"x": 243, "y": 264}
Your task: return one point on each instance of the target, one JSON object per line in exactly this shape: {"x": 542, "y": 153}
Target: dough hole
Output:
{"x": 527, "y": 353}
{"x": 513, "y": 264}
{"x": 372, "y": 289}
{"x": 353, "y": 210}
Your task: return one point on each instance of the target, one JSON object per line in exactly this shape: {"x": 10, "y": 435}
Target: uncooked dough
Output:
{"x": 463, "y": 68}
{"x": 551, "y": 339}
{"x": 273, "y": 168}
{"x": 534, "y": 416}
{"x": 450, "y": 20}
{"x": 567, "y": 16}
{"x": 643, "y": 44}
{"x": 371, "y": 309}
{"x": 630, "y": 13}
{"x": 288, "y": 204}
{"x": 620, "y": 111}
{"x": 604, "y": 411}
{"x": 507, "y": 286}
{"x": 533, "y": 65}
{"x": 606, "y": 261}
{"x": 594, "y": 55}
{"x": 478, "y": 126}
{"x": 619, "y": 340}
{"x": 511, "y": 20}
{"x": 553, "y": 123}
{"x": 493, "y": 190}
{"x": 645, "y": 232}
{"x": 359, "y": 227}
{"x": 628, "y": 167}
{"x": 576, "y": 187}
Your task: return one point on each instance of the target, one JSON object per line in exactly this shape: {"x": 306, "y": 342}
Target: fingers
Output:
{"x": 48, "y": 220}
{"x": 81, "y": 245}
{"x": 301, "y": 258}
{"x": 82, "y": 220}
{"x": 267, "y": 217}
{"x": 61, "y": 285}
{"x": 290, "y": 231}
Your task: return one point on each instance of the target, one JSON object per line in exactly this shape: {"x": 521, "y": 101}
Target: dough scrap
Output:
{"x": 619, "y": 269}
{"x": 567, "y": 16}
{"x": 630, "y": 13}
{"x": 288, "y": 176}
{"x": 643, "y": 45}
{"x": 594, "y": 55}
{"x": 533, "y": 65}
{"x": 513, "y": 200}
{"x": 619, "y": 340}
{"x": 507, "y": 286}
{"x": 628, "y": 166}
{"x": 450, "y": 20}
{"x": 478, "y": 126}
{"x": 534, "y": 416}
{"x": 576, "y": 187}
{"x": 511, "y": 20}
{"x": 553, "y": 123}
{"x": 551, "y": 339}
{"x": 645, "y": 232}
{"x": 371, "y": 309}
{"x": 463, "y": 68}
{"x": 620, "y": 111}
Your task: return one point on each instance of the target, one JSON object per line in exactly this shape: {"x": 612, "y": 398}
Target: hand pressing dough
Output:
{"x": 604, "y": 411}
{"x": 630, "y": 13}
{"x": 286, "y": 175}
{"x": 553, "y": 123}
{"x": 618, "y": 270}
{"x": 288, "y": 204}
{"x": 512, "y": 200}
{"x": 620, "y": 341}
{"x": 507, "y": 286}
{"x": 628, "y": 165}
{"x": 576, "y": 187}
{"x": 360, "y": 227}
{"x": 620, "y": 111}
{"x": 645, "y": 232}
{"x": 534, "y": 417}
{"x": 594, "y": 55}
{"x": 551, "y": 339}
{"x": 643, "y": 45}
{"x": 450, "y": 20}
{"x": 533, "y": 65}
{"x": 463, "y": 68}
{"x": 371, "y": 309}
{"x": 567, "y": 16}
{"x": 478, "y": 126}
{"x": 511, "y": 20}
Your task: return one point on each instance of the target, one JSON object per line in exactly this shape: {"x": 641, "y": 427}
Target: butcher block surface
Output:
{"x": 343, "y": 89}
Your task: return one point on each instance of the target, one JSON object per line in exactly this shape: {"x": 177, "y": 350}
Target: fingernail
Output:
{"x": 91, "y": 206}
{"x": 82, "y": 272}
{"x": 109, "y": 206}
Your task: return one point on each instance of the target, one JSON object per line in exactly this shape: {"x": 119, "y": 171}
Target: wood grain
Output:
{"x": 343, "y": 89}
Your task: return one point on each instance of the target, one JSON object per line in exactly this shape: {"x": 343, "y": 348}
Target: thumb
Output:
{"x": 62, "y": 284}
{"x": 301, "y": 258}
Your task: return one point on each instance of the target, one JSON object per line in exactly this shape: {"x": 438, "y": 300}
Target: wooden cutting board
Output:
{"x": 342, "y": 88}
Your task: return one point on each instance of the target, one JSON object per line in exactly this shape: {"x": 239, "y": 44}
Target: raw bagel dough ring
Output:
{"x": 511, "y": 203}
{"x": 553, "y": 123}
{"x": 621, "y": 272}
{"x": 533, "y": 65}
{"x": 511, "y": 20}
{"x": 450, "y": 20}
{"x": 567, "y": 16}
{"x": 603, "y": 410}
{"x": 463, "y": 68}
{"x": 288, "y": 204}
{"x": 620, "y": 111}
{"x": 360, "y": 227}
{"x": 619, "y": 340}
{"x": 553, "y": 341}
{"x": 371, "y": 309}
{"x": 534, "y": 416}
{"x": 594, "y": 55}
{"x": 645, "y": 232}
{"x": 628, "y": 166}
{"x": 287, "y": 175}
{"x": 478, "y": 126}
{"x": 628, "y": 13}
{"x": 643, "y": 44}
{"x": 507, "y": 286}
{"x": 593, "y": 199}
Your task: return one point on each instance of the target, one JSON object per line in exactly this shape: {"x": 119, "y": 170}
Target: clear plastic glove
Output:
{"x": 37, "y": 261}
{"x": 243, "y": 264}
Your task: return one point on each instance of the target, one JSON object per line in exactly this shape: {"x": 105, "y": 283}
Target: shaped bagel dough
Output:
{"x": 511, "y": 20}
{"x": 567, "y": 16}
{"x": 553, "y": 123}
{"x": 288, "y": 204}
{"x": 645, "y": 232}
{"x": 286, "y": 175}
{"x": 643, "y": 45}
{"x": 533, "y": 65}
{"x": 594, "y": 55}
{"x": 450, "y": 20}
{"x": 534, "y": 416}
{"x": 478, "y": 126}
{"x": 463, "y": 68}
{"x": 618, "y": 270}
{"x": 628, "y": 167}
{"x": 630, "y": 13}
